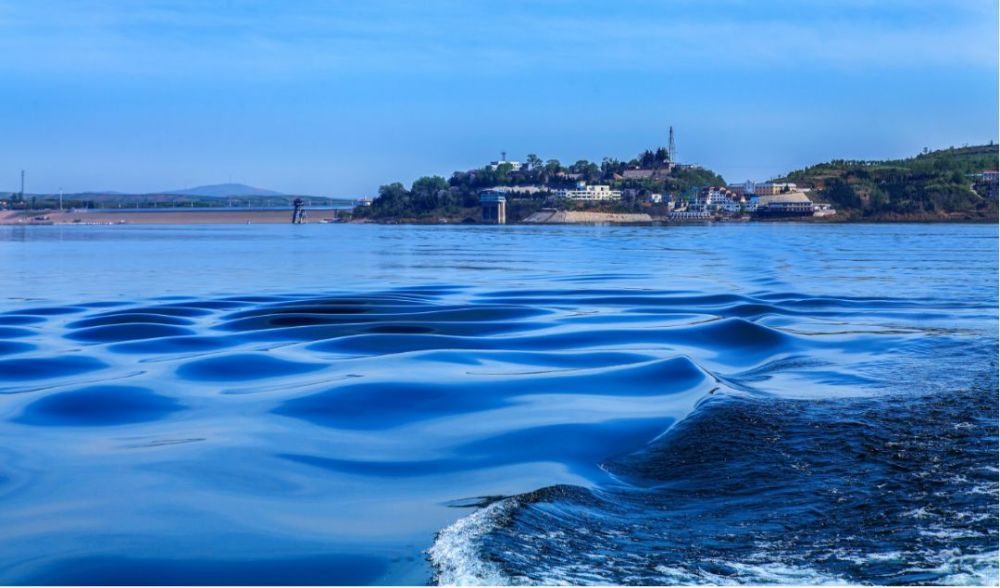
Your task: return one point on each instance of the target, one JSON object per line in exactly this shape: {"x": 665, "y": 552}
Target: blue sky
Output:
{"x": 335, "y": 98}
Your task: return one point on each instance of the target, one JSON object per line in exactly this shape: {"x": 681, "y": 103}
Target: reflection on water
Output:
{"x": 364, "y": 404}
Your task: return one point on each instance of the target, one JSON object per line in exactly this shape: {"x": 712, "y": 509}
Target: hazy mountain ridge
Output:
{"x": 222, "y": 190}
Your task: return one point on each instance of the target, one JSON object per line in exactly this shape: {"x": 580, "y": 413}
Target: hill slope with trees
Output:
{"x": 935, "y": 185}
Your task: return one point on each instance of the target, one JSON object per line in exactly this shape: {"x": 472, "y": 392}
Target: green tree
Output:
{"x": 428, "y": 193}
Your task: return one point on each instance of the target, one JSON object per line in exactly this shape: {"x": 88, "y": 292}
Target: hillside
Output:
{"x": 935, "y": 185}
{"x": 456, "y": 199}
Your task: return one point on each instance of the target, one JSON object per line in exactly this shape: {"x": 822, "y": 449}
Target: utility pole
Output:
{"x": 672, "y": 147}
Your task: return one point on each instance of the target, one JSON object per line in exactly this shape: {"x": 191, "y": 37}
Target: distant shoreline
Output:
{"x": 236, "y": 216}
{"x": 173, "y": 216}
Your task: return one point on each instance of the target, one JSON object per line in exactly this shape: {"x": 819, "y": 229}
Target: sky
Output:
{"x": 335, "y": 98}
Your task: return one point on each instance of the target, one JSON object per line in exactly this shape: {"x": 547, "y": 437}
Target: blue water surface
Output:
{"x": 362, "y": 404}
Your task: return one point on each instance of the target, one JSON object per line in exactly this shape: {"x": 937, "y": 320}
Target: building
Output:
{"x": 823, "y": 209}
{"x": 718, "y": 200}
{"x": 514, "y": 165}
{"x": 519, "y": 190}
{"x": 986, "y": 184}
{"x": 772, "y": 188}
{"x": 494, "y": 205}
{"x": 592, "y": 193}
{"x": 744, "y": 189}
{"x": 638, "y": 174}
{"x": 787, "y": 204}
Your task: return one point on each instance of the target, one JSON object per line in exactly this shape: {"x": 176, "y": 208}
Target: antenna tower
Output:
{"x": 672, "y": 148}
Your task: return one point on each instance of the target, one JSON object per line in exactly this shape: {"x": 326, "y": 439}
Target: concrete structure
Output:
{"x": 494, "y": 205}
{"x": 689, "y": 215}
{"x": 299, "y": 213}
{"x": 593, "y": 193}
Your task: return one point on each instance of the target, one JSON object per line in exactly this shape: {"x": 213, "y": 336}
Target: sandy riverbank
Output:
{"x": 227, "y": 216}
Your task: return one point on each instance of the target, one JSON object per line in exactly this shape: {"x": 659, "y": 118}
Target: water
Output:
{"x": 335, "y": 404}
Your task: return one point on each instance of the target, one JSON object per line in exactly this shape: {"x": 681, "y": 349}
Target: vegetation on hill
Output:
{"x": 431, "y": 198}
{"x": 943, "y": 184}
{"x": 935, "y": 185}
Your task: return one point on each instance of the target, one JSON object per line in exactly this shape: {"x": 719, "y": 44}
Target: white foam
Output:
{"x": 977, "y": 569}
{"x": 455, "y": 553}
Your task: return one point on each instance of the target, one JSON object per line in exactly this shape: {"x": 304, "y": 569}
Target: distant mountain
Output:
{"x": 222, "y": 190}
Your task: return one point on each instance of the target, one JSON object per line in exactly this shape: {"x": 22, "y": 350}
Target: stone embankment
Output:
{"x": 584, "y": 217}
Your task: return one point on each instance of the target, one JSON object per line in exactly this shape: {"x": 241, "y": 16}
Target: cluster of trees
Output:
{"x": 427, "y": 196}
{"x": 932, "y": 183}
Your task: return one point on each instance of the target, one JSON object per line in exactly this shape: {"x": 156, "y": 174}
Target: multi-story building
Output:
{"x": 718, "y": 200}
{"x": 592, "y": 193}
{"x": 744, "y": 189}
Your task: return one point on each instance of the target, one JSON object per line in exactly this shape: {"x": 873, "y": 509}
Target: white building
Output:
{"x": 519, "y": 190}
{"x": 718, "y": 200}
{"x": 590, "y": 193}
{"x": 514, "y": 165}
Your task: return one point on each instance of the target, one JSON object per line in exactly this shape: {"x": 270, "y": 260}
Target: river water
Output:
{"x": 330, "y": 404}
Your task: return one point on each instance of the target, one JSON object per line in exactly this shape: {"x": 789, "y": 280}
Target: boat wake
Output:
{"x": 626, "y": 436}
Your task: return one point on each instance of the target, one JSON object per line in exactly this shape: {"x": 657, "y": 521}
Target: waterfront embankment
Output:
{"x": 222, "y": 216}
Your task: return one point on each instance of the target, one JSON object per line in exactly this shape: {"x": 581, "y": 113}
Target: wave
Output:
{"x": 750, "y": 491}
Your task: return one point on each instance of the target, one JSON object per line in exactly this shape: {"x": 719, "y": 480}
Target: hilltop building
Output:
{"x": 514, "y": 165}
{"x": 648, "y": 174}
